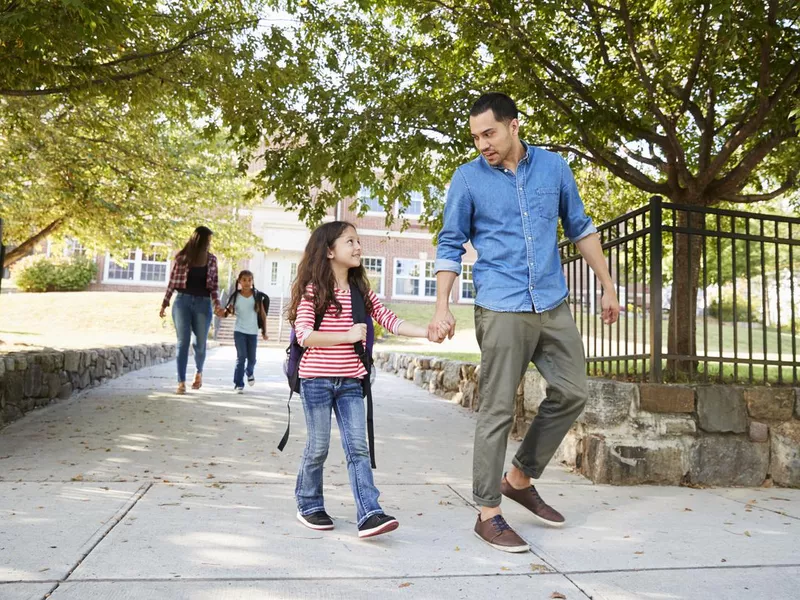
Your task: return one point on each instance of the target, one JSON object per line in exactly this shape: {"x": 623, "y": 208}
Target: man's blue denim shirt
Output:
{"x": 512, "y": 222}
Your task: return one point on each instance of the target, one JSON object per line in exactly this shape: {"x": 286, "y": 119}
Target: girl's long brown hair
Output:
{"x": 195, "y": 251}
{"x": 315, "y": 270}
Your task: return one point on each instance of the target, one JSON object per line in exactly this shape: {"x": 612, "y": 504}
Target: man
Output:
{"x": 508, "y": 202}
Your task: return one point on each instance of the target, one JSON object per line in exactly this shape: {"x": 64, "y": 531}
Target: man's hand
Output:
{"x": 442, "y": 325}
{"x": 610, "y": 306}
{"x": 357, "y": 333}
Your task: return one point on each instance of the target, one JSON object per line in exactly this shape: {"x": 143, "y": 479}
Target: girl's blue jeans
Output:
{"x": 345, "y": 397}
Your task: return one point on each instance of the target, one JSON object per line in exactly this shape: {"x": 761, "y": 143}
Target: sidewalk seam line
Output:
{"x": 116, "y": 520}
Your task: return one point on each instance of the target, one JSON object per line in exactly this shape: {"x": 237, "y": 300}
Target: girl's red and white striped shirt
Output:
{"x": 340, "y": 360}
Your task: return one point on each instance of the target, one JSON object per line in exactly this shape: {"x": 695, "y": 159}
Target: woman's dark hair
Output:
{"x": 315, "y": 270}
{"x": 196, "y": 249}
{"x": 501, "y": 106}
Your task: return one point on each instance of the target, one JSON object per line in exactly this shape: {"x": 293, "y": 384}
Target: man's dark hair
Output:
{"x": 501, "y": 106}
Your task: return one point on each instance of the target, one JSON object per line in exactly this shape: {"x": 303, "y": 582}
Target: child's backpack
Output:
{"x": 261, "y": 298}
{"x": 294, "y": 353}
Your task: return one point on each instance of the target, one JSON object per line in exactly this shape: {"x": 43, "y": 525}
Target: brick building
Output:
{"x": 400, "y": 263}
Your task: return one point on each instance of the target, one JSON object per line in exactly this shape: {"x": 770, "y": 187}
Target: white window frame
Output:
{"x": 421, "y": 297}
{"x": 461, "y": 281}
{"x": 415, "y": 197}
{"x": 274, "y": 272}
{"x": 292, "y": 271}
{"x": 382, "y": 292}
{"x": 366, "y": 194}
{"x": 137, "y": 271}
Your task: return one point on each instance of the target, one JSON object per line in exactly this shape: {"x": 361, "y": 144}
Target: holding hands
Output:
{"x": 443, "y": 325}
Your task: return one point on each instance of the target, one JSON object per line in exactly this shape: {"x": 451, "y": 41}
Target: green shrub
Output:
{"x": 726, "y": 313}
{"x": 42, "y": 274}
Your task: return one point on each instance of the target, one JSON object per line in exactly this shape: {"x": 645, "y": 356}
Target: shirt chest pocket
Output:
{"x": 546, "y": 199}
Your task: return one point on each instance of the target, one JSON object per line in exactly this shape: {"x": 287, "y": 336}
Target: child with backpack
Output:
{"x": 330, "y": 281}
{"x": 250, "y": 308}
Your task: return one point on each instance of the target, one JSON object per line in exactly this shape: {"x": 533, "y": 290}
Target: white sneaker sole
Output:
{"x": 383, "y": 528}
{"x": 514, "y": 549}
{"x": 312, "y": 526}
{"x": 251, "y": 383}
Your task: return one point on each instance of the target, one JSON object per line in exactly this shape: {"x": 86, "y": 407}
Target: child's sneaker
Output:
{"x": 319, "y": 520}
{"x": 251, "y": 381}
{"x": 376, "y": 525}
{"x": 239, "y": 389}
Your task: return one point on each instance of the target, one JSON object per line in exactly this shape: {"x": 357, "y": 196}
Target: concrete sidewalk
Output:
{"x": 129, "y": 491}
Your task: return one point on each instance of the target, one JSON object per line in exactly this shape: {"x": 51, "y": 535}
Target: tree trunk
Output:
{"x": 682, "y": 327}
{"x": 25, "y": 247}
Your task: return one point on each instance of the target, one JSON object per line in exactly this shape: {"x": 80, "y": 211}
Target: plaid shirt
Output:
{"x": 180, "y": 273}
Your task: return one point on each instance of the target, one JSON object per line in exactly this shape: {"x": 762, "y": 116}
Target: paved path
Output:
{"x": 129, "y": 491}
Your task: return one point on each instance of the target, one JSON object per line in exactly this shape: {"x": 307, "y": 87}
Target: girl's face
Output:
{"x": 246, "y": 282}
{"x": 346, "y": 249}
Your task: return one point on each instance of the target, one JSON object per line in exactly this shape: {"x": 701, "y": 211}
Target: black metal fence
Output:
{"x": 707, "y": 295}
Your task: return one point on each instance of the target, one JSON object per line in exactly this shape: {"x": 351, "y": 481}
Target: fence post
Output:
{"x": 656, "y": 283}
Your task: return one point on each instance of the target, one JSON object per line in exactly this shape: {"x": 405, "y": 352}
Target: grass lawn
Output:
{"x": 81, "y": 320}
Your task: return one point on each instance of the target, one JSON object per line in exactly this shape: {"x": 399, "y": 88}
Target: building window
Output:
{"x": 371, "y": 204}
{"x": 149, "y": 267}
{"x": 414, "y": 279}
{"x": 374, "y": 269}
{"x": 293, "y": 271}
{"x": 124, "y": 270}
{"x": 153, "y": 266}
{"x": 74, "y": 248}
{"x": 414, "y": 208}
{"x": 274, "y": 273}
{"x": 467, "y": 286}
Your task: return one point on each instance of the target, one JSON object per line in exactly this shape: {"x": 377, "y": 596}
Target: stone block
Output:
{"x": 670, "y": 425}
{"x": 770, "y": 404}
{"x": 721, "y": 409}
{"x": 21, "y": 362}
{"x": 609, "y": 402}
{"x": 410, "y": 369}
{"x": 759, "y": 432}
{"x": 85, "y": 379}
{"x": 98, "y": 369}
{"x": 423, "y": 362}
{"x": 452, "y": 376}
{"x": 419, "y": 376}
{"x": 47, "y": 363}
{"x": 72, "y": 360}
{"x": 467, "y": 371}
{"x": 2, "y": 368}
{"x": 13, "y": 387}
{"x": 797, "y": 403}
{"x": 728, "y": 460}
{"x": 666, "y": 398}
{"x": 11, "y": 363}
{"x": 571, "y": 449}
{"x": 65, "y": 391}
{"x": 633, "y": 461}
{"x": 33, "y": 381}
{"x": 534, "y": 389}
{"x": 785, "y": 462}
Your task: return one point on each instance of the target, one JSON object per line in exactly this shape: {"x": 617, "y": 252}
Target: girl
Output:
{"x": 331, "y": 372}
{"x": 194, "y": 278}
{"x": 247, "y": 303}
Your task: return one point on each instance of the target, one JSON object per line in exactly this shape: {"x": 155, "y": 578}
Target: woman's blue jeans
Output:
{"x": 191, "y": 315}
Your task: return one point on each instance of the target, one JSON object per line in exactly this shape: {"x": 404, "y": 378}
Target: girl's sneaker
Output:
{"x": 320, "y": 521}
{"x": 251, "y": 380}
{"x": 376, "y": 525}
{"x": 239, "y": 389}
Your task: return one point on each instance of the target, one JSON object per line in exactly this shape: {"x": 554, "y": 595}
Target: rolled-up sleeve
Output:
{"x": 577, "y": 224}
{"x": 456, "y": 226}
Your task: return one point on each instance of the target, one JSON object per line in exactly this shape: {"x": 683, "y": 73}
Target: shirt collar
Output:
{"x": 525, "y": 159}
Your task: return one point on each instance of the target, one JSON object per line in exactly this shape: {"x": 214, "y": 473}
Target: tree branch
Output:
{"x": 25, "y": 247}
{"x": 734, "y": 179}
{"x": 786, "y": 186}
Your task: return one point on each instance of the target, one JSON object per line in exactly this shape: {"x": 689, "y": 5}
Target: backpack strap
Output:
{"x": 360, "y": 316}
{"x": 295, "y": 384}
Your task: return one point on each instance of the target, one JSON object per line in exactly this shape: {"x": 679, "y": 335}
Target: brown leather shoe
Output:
{"x": 530, "y": 499}
{"x": 499, "y": 535}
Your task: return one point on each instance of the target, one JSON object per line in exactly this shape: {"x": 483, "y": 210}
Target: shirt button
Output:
{"x": 529, "y": 237}
{"x": 526, "y": 214}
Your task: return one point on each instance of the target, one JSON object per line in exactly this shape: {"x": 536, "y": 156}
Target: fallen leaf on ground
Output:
{"x": 77, "y": 478}
{"x": 640, "y": 552}
{"x": 536, "y": 568}
{"x": 558, "y": 595}
{"x": 747, "y": 533}
{"x": 504, "y": 569}
{"x": 404, "y": 585}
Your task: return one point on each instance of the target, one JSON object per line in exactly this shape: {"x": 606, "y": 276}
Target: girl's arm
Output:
{"x": 392, "y": 323}
{"x": 309, "y": 338}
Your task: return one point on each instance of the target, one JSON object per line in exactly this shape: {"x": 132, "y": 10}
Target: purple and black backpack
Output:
{"x": 294, "y": 353}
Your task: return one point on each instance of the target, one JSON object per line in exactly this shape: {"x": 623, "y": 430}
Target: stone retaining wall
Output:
{"x": 633, "y": 433}
{"x": 29, "y": 380}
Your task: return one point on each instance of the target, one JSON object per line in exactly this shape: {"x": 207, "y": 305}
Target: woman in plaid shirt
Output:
{"x": 194, "y": 278}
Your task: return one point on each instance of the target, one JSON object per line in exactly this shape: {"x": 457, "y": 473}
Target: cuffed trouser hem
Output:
{"x": 485, "y": 502}
{"x": 530, "y": 472}
{"x": 311, "y": 511}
